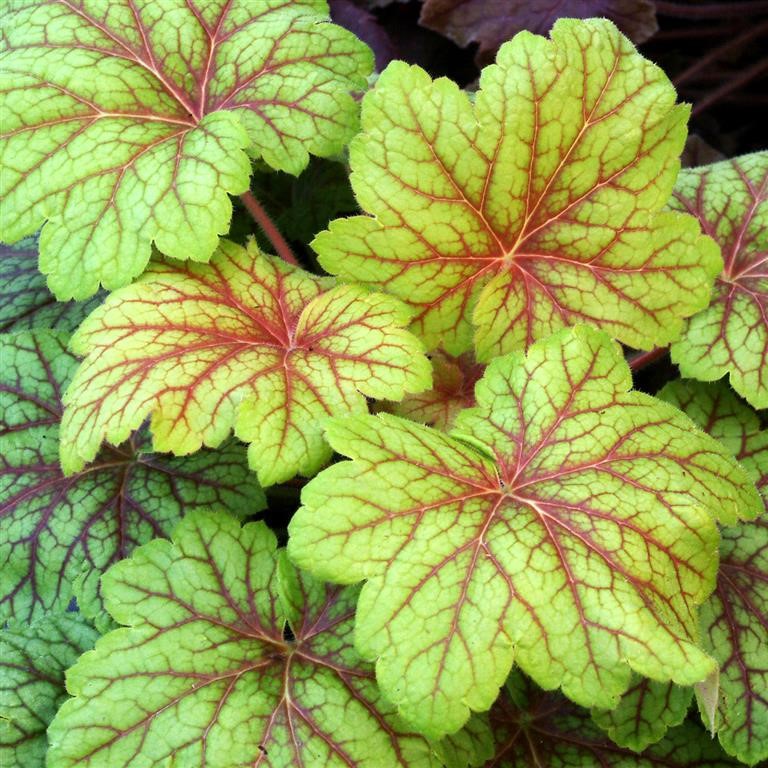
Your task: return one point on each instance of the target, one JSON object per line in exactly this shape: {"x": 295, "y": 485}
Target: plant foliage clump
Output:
{"x": 388, "y": 498}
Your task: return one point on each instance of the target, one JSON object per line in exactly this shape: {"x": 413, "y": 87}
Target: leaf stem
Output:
{"x": 268, "y": 227}
{"x": 710, "y": 10}
{"x": 644, "y": 359}
{"x": 732, "y": 85}
{"x": 716, "y": 53}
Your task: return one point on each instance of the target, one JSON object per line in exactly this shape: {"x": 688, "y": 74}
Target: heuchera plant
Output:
{"x": 507, "y": 556}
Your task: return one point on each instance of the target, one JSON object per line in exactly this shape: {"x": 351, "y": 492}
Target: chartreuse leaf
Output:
{"x": 536, "y": 206}
{"x": 735, "y": 618}
{"x": 59, "y": 532}
{"x": 33, "y": 659}
{"x": 453, "y": 389}
{"x": 566, "y": 524}
{"x": 645, "y": 713}
{"x": 125, "y": 122}
{"x": 534, "y": 728}
{"x": 731, "y": 335}
{"x": 204, "y": 673}
{"x": 25, "y": 301}
{"x": 245, "y": 341}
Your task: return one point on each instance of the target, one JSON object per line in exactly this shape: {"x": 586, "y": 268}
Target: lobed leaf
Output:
{"x": 453, "y": 389}
{"x": 730, "y": 336}
{"x": 491, "y": 22}
{"x": 535, "y": 207}
{"x": 566, "y": 523}
{"x": 25, "y": 301}
{"x": 57, "y": 532}
{"x": 645, "y": 713}
{"x": 33, "y": 659}
{"x": 127, "y": 120}
{"x": 532, "y": 727}
{"x": 735, "y": 618}
{"x": 204, "y": 673}
{"x": 246, "y": 342}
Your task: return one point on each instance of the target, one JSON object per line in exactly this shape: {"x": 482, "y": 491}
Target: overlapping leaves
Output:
{"x": 735, "y": 618}
{"x": 205, "y": 674}
{"x": 534, "y": 728}
{"x": 491, "y": 22}
{"x": 25, "y": 301}
{"x": 534, "y": 207}
{"x": 33, "y": 659}
{"x": 567, "y": 524}
{"x": 58, "y": 534}
{"x": 246, "y": 342}
{"x": 731, "y": 335}
{"x": 125, "y": 123}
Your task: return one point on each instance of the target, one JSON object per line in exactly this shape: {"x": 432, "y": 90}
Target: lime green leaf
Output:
{"x": 735, "y": 618}
{"x": 538, "y": 206}
{"x": 453, "y": 389}
{"x": 731, "y": 335}
{"x": 534, "y": 728}
{"x": 126, "y": 123}
{"x": 25, "y": 301}
{"x": 245, "y": 341}
{"x": 32, "y": 664}
{"x": 646, "y": 711}
{"x": 206, "y": 675}
{"x": 567, "y": 522}
{"x": 56, "y": 531}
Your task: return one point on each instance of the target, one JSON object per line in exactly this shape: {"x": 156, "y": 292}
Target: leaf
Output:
{"x": 366, "y": 26}
{"x": 646, "y": 712}
{"x": 454, "y": 380}
{"x": 205, "y": 674}
{"x": 532, "y": 727}
{"x": 565, "y": 523}
{"x": 32, "y": 664}
{"x": 735, "y": 618}
{"x": 126, "y": 121}
{"x": 731, "y": 335}
{"x": 25, "y": 301}
{"x": 56, "y": 530}
{"x": 491, "y": 22}
{"x": 533, "y": 208}
{"x": 246, "y": 342}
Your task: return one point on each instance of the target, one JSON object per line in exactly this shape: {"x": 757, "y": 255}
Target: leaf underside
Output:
{"x": 58, "y": 533}
{"x": 491, "y": 22}
{"x": 535, "y": 206}
{"x": 245, "y": 342}
{"x": 126, "y": 121}
{"x": 33, "y": 659}
{"x": 735, "y": 618}
{"x": 567, "y": 522}
{"x": 205, "y": 675}
{"x": 730, "y": 336}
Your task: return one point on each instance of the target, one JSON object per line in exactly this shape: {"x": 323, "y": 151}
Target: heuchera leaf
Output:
{"x": 534, "y": 728}
{"x": 33, "y": 659}
{"x": 125, "y": 122}
{"x": 245, "y": 341}
{"x": 453, "y": 389}
{"x": 731, "y": 335}
{"x": 567, "y": 522}
{"x": 206, "y": 675}
{"x": 645, "y": 713}
{"x": 492, "y": 22}
{"x": 538, "y": 206}
{"x": 735, "y": 618}
{"x": 25, "y": 301}
{"x": 57, "y": 530}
